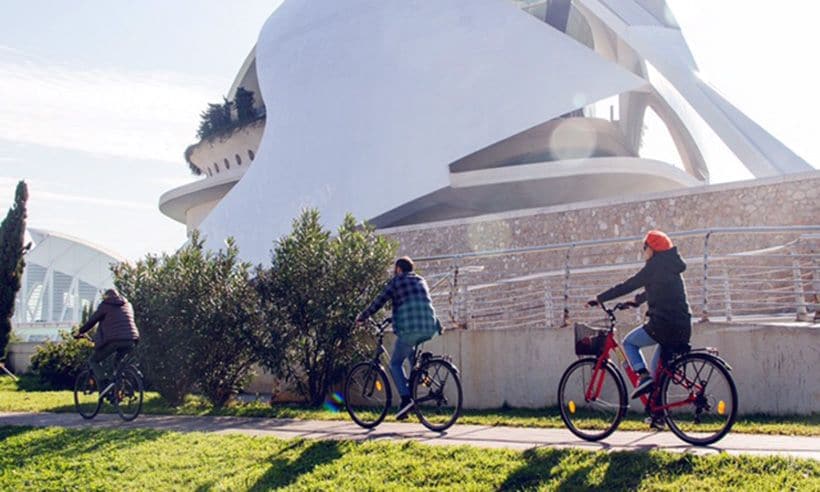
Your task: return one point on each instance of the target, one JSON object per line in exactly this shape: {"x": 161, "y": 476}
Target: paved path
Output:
{"x": 474, "y": 435}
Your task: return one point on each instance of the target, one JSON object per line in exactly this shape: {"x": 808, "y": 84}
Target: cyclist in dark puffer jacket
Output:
{"x": 117, "y": 333}
{"x": 670, "y": 320}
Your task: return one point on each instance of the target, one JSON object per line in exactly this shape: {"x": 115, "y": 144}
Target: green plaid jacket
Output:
{"x": 414, "y": 319}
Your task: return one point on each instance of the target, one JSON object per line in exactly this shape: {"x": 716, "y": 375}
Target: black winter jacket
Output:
{"x": 116, "y": 318}
{"x": 670, "y": 321}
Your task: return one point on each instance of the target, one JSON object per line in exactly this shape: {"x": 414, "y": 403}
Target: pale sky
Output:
{"x": 99, "y": 99}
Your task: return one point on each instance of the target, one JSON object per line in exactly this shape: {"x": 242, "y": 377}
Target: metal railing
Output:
{"x": 733, "y": 273}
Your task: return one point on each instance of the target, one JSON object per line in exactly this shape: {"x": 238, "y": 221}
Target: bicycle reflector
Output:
{"x": 721, "y": 407}
{"x": 378, "y": 385}
{"x": 571, "y": 406}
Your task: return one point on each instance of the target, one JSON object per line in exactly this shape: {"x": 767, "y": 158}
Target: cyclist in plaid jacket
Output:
{"x": 414, "y": 321}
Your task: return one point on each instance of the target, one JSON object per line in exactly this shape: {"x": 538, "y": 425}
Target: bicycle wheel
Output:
{"x": 128, "y": 394}
{"x": 700, "y": 398}
{"x": 436, "y": 391}
{"x": 86, "y": 395}
{"x": 367, "y": 394}
{"x": 591, "y": 419}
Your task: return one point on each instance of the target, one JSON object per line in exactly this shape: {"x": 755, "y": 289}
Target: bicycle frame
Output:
{"x": 650, "y": 401}
{"x": 381, "y": 350}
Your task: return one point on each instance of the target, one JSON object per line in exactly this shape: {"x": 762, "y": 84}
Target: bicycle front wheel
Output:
{"x": 86, "y": 395}
{"x": 436, "y": 390}
{"x": 592, "y": 402}
{"x": 700, "y": 399}
{"x": 367, "y": 394}
{"x": 128, "y": 394}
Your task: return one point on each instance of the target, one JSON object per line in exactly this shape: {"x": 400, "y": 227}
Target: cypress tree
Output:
{"x": 12, "y": 249}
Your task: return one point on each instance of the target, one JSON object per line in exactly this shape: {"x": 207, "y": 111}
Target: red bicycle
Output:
{"x": 694, "y": 393}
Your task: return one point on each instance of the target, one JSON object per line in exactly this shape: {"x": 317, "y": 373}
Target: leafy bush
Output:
{"x": 198, "y": 317}
{"x": 311, "y": 294}
{"x": 58, "y": 363}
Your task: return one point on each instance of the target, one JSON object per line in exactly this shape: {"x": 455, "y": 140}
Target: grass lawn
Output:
{"x": 71, "y": 459}
{"x": 13, "y": 398}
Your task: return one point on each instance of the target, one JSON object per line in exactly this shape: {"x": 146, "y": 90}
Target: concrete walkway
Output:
{"x": 473, "y": 435}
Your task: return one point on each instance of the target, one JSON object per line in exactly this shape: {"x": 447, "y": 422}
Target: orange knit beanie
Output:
{"x": 658, "y": 241}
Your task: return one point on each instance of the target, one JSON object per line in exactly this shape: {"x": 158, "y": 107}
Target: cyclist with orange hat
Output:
{"x": 670, "y": 320}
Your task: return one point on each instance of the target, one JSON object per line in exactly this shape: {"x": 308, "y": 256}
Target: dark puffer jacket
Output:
{"x": 116, "y": 318}
{"x": 670, "y": 320}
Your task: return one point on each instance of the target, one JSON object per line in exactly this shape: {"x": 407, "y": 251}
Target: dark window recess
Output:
{"x": 216, "y": 167}
{"x": 238, "y": 160}
{"x": 227, "y": 164}
{"x": 250, "y": 155}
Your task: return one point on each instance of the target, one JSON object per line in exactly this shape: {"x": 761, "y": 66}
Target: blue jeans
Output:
{"x": 401, "y": 351}
{"x": 633, "y": 342}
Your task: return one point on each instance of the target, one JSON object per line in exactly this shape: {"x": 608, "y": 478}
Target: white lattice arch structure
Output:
{"x": 63, "y": 275}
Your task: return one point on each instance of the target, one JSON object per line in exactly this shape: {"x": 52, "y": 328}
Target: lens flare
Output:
{"x": 335, "y": 403}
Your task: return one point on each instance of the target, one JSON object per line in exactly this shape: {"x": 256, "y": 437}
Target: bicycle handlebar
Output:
{"x": 621, "y": 306}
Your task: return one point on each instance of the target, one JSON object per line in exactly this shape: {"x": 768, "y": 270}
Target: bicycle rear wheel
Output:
{"x": 86, "y": 395}
{"x": 700, "y": 398}
{"x": 591, "y": 419}
{"x": 436, "y": 391}
{"x": 367, "y": 394}
{"x": 128, "y": 394}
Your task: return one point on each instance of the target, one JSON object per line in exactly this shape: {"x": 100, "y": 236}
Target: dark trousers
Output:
{"x": 120, "y": 347}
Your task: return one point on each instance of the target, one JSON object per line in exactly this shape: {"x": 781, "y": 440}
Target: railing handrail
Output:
{"x": 619, "y": 240}
{"x": 715, "y": 290}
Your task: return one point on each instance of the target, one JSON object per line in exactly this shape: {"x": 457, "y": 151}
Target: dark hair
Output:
{"x": 405, "y": 264}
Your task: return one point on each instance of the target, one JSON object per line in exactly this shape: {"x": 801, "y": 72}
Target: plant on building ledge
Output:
{"x": 222, "y": 118}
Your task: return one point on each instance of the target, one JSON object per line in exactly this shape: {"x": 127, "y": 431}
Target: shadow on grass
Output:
{"x": 66, "y": 444}
{"x": 580, "y": 470}
{"x": 284, "y": 471}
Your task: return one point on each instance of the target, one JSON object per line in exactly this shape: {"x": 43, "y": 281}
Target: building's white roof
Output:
{"x": 369, "y": 102}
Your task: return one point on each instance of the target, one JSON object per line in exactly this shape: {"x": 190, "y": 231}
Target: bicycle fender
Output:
{"x": 720, "y": 360}
{"x": 446, "y": 361}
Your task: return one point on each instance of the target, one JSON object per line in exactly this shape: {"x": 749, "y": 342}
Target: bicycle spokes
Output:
{"x": 700, "y": 399}
{"x": 367, "y": 394}
{"x": 592, "y": 401}
{"x": 437, "y": 394}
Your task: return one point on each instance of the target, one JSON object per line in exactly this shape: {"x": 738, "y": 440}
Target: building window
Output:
{"x": 238, "y": 160}
{"x": 210, "y": 173}
{"x": 250, "y": 155}
{"x": 216, "y": 167}
{"x": 227, "y": 164}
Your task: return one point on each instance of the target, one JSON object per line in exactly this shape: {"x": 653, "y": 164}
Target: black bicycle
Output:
{"x": 125, "y": 392}
{"x": 434, "y": 386}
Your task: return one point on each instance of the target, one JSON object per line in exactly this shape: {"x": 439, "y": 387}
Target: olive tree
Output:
{"x": 316, "y": 285}
{"x": 197, "y": 314}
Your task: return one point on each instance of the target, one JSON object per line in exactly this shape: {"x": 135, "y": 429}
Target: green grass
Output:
{"x": 72, "y": 459}
{"x": 13, "y": 398}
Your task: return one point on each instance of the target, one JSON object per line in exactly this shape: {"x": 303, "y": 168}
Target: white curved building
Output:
{"x": 418, "y": 111}
{"x": 63, "y": 276}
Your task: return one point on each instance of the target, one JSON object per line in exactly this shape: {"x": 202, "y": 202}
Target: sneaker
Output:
{"x": 406, "y": 405}
{"x": 644, "y": 386}
{"x": 657, "y": 423}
